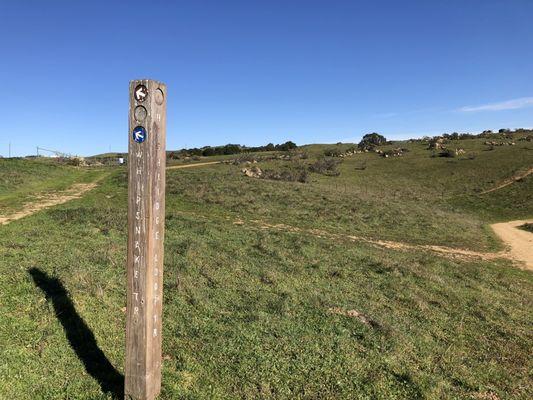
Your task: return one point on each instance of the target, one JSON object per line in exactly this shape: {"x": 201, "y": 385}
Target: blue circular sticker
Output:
{"x": 139, "y": 134}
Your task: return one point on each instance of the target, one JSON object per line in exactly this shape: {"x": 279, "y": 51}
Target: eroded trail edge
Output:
{"x": 49, "y": 200}
{"x": 510, "y": 181}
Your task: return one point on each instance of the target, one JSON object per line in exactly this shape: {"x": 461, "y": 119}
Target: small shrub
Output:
{"x": 288, "y": 175}
{"x": 298, "y": 155}
{"x": 291, "y": 173}
{"x": 332, "y": 152}
{"x": 325, "y": 166}
{"x": 447, "y": 153}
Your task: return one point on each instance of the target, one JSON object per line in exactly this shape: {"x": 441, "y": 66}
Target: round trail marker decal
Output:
{"x": 140, "y": 113}
{"x": 140, "y": 93}
{"x": 159, "y": 96}
{"x": 139, "y": 134}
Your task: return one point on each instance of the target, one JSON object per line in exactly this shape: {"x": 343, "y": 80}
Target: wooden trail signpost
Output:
{"x": 146, "y": 228}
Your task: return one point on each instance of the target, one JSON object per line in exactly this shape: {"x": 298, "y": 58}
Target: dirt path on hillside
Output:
{"x": 74, "y": 192}
{"x": 450, "y": 252}
{"x": 49, "y": 200}
{"x": 520, "y": 242}
{"x": 510, "y": 181}
{"x": 193, "y": 165}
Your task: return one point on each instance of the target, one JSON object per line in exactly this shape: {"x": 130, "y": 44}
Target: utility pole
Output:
{"x": 146, "y": 229}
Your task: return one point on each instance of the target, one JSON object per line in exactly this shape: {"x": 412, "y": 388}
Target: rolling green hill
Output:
{"x": 280, "y": 289}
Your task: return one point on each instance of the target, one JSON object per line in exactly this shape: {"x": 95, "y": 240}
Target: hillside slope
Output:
{"x": 255, "y": 312}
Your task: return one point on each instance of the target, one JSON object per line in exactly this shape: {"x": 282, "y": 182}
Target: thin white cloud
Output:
{"x": 386, "y": 115}
{"x": 408, "y": 113}
{"x": 513, "y": 104}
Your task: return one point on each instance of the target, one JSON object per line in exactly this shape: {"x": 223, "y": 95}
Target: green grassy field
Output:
{"x": 251, "y": 312}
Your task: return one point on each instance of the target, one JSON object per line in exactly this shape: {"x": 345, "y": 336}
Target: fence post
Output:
{"x": 146, "y": 228}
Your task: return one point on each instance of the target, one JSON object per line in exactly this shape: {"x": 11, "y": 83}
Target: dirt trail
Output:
{"x": 74, "y": 192}
{"x": 510, "y": 181}
{"x": 449, "y": 252}
{"x": 193, "y": 165}
{"x": 49, "y": 200}
{"x": 520, "y": 242}
{"x": 444, "y": 251}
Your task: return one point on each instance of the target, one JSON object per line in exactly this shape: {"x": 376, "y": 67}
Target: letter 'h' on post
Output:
{"x": 146, "y": 229}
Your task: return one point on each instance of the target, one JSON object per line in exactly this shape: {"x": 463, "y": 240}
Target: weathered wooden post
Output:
{"x": 146, "y": 228}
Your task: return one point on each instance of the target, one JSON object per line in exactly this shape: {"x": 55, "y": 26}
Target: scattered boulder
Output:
{"x": 493, "y": 143}
{"x": 437, "y": 143}
{"x": 252, "y": 172}
{"x": 342, "y": 154}
{"x": 398, "y": 152}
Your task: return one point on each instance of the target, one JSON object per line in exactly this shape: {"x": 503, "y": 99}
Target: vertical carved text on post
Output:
{"x": 146, "y": 219}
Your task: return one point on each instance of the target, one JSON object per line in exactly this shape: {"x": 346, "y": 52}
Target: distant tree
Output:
{"x": 371, "y": 140}
{"x": 232, "y": 149}
{"x": 208, "y": 151}
{"x": 463, "y": 136}
{"x": 286, "y": 146}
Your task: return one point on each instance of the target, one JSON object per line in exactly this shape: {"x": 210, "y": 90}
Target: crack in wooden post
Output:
{"x": 146, "y": 229}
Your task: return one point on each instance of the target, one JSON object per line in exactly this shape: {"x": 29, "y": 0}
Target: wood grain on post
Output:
{"x": 146, "y": 228}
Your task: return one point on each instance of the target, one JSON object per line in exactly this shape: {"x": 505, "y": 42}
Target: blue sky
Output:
{"x": 254, "y": 72}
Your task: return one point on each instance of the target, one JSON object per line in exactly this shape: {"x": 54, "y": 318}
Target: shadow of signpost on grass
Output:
{"x": 79, "y": 335}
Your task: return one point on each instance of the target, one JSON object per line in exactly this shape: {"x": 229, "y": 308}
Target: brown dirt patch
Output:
{"x": 520, "y": 242}
{"x": 352, "y": 314}
{"x": 193, "y": 165}
{"x": 43, "y": 201}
